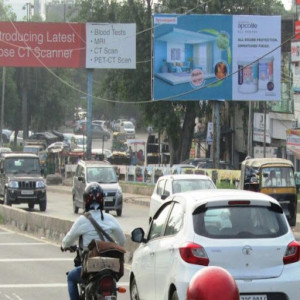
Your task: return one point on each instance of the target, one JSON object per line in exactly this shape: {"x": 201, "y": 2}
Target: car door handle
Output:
{"x": 152, "y": 253}
{"x": 171, "y": 249}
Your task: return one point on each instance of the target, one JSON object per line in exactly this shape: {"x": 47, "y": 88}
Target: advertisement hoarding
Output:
{"x": 258, "y": 128}
{"x": 211, "y": 57}
{"x": 111, "y": 46}
{"x": 68, "y": 45}
{"x": 293, "y": 142}
{"x": 60, "y": 45}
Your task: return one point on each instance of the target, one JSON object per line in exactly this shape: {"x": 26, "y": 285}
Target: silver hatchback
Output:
{"x": 103, "y": 173}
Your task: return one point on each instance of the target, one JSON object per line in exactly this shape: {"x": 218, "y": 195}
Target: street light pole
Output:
{"x": 28, "y": 6}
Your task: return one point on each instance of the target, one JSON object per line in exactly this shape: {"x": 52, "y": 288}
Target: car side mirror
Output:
{"x": 81, "y": 178}
{"x": 138, "y": 235}
{"x": 164, "y": 197}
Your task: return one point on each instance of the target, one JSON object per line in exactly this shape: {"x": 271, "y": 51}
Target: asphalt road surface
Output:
{"x": 33, "y": 269}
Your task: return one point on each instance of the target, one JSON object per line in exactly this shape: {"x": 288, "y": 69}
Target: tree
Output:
{"x": 175, "y": 118}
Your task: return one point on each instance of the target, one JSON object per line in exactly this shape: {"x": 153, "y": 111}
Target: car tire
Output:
{"x": 119, "y": 212}
{"x": 134, "y": 294}
{"x": 75, "y": 208}
{"x": 174, "y": 295}
{"x": 30, "y": 206}
{"x": 43, "y": 205}
{"x": 6, "y": 199}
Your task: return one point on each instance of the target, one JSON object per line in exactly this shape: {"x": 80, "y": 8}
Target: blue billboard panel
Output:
{"x": 210, "y": 57}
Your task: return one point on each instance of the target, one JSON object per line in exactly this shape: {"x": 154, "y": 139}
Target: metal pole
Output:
{"x": 2, "y": 103}
{"x": 89, "y": 114}
{"x": 250, "y": 129}
{"x": 216, "y": 139}
{"x": 265, "y": 126}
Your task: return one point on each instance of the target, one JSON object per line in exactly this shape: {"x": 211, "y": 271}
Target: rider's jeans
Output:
{"x": 73, "y": 279}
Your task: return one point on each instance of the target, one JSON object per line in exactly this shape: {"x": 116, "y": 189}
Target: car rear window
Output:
{"x": 239, "y": 222}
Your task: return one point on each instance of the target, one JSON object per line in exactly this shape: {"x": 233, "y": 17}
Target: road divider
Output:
{"x": 46, "y": 227}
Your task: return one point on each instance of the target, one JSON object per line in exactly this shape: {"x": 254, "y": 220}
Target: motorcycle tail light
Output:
{"x": 106, "y": 285}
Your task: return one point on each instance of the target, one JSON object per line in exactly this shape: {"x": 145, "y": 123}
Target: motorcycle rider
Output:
{"x": 93, "y": 200}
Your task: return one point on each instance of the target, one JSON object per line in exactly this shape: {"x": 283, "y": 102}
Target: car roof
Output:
{"x": 195, "y": 198}
{"x": 185, "y": 176}
{"x": 95, "y": 163}
{"x": 19, "y": 154}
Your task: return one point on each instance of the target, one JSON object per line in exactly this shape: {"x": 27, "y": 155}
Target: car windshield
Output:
{"x": 101, "y": 175}
{"x": 81, "y": 141}
{"x": 184, "y": 185}
{"x": 22, "y": 165}
{"x": 240, "y": 222}
{"x": 128, "y": 125}
{"x": 278, "y": 177}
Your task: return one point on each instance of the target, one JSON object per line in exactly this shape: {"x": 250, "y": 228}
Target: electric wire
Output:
{"x": 170, "y": 98}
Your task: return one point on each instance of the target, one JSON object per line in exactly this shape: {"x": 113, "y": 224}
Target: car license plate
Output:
{"x": 254, "y": 297}
{"x": 27, "y": 192}
{"x": 109, "y": 199}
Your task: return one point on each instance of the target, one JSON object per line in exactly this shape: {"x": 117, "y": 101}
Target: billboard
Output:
{"x": 24, "y": 44}
{"x": 259, "y": 129}
{"x": 68, "y": 45}
{"x": 209, "y": 57}
{"x": 293, "y": 142}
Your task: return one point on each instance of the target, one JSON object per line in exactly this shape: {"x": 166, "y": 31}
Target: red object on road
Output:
{"x": 213, "y": 283}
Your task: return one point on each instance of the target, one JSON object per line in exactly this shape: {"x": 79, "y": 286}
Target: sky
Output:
{"x": 18, "y": 4}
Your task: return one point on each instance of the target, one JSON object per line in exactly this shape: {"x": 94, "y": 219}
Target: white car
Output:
{"x": 244, "y": 232}
{"x": 177, "y": 183}
{"x": 80, "y": 141}
{"x": 19, "y": 137}
{"x": 128, "y": 128}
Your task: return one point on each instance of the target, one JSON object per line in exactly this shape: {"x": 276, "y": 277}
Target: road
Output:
{"x": 34, "y": 269}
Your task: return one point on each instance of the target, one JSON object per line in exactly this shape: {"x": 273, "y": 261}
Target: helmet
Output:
{"x": 93, "y": 193}
{"x": 212, "y": 283}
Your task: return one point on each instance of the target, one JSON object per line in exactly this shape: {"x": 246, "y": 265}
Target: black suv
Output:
{"x": 21, "y": 180}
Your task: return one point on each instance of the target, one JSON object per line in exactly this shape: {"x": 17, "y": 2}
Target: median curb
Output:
{"x": 46, "y": 227}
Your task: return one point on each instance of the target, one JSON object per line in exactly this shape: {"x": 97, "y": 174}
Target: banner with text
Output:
{"x": 67, "y": 45}
{"x": 211, "y": 57}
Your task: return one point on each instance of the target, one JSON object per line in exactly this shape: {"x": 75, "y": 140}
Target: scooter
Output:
{"x": 100, "y": 285}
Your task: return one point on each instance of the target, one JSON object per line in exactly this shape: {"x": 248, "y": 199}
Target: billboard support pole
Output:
{"x": 216, "y": 140}
{"x": 250, "y": 130}
{"x": 89, "y": 114}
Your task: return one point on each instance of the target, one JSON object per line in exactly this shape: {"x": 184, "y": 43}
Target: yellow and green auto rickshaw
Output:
{"x": 274, "y": 177}
{"x": 119, "y": 142}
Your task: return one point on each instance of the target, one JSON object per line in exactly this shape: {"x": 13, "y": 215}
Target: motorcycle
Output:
{"x": 98, "y": 285}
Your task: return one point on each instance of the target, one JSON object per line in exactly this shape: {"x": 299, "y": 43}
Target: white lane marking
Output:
{"x": 23, "y": 244}
{"x": 43, "y": 285}
{"x": 34, "y": 259}
{"x": 5, "y": 233}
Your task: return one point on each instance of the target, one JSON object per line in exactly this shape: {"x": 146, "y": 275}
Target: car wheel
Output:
{"x": 174, "y": 295}
{"x": 43, "y": 205}
{"x": 134, "y": 294}
{"x": 31, "y": 205}
{"x": 119, "y": 212}
{"x": 75, "y": 208}
{"x": 6, "y": 199}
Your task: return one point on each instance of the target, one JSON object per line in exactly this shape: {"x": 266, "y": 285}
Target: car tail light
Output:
{"x": 106, "y": 285}
{"x": 194, "y": 254}
{"x": 292, "y": 253}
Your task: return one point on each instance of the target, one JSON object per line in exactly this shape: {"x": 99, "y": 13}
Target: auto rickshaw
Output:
{"x": 119, "y": 142}
{"x": 274, "y": 177}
